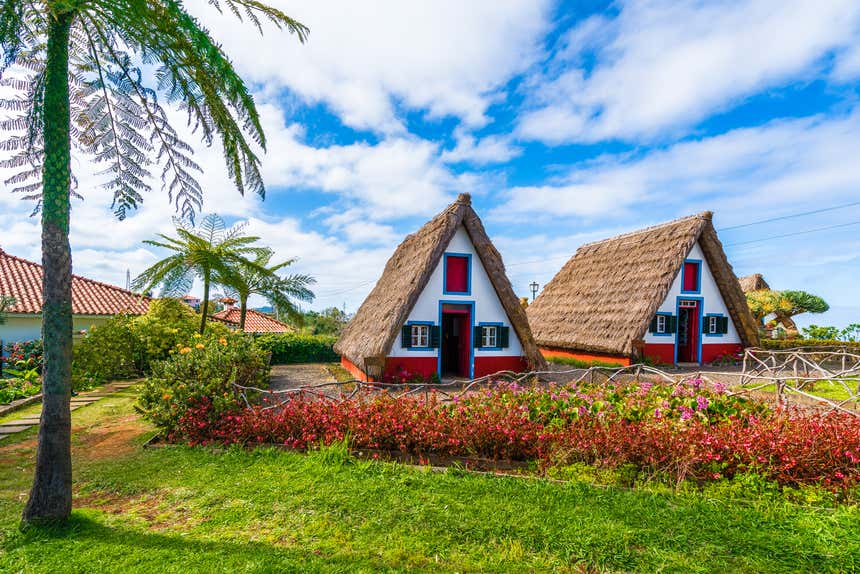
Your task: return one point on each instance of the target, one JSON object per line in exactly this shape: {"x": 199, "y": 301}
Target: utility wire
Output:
{"x": 794, "y": 234}
{"x": 783, "y": 217}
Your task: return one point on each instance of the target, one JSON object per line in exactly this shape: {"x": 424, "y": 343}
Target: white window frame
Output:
{"x": 713, "y": 324}
{"x": 420, "y": 335}
{"x": 662, "y": 324}
{"x": 489, "y": 336}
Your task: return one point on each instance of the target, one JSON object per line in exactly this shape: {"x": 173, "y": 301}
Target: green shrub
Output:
{"x": 108, "y": 351}
{"x": 289, "y": 348}
{"x": 167, "y": 323}
{"x": 203, "y": 372}
{"x": 783, "y": 344}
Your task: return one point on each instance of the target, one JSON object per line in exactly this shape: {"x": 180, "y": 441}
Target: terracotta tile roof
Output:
{"x": 22, "y": 279}
{"x": 255, "y": 322}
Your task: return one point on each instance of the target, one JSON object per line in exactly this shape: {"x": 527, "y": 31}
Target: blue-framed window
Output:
{"x": 715, "y": 325}
{"x": 464, "y": 259}
{"x": 491, "y": 336}
{"x": 419, "y": 336}
{"x": 663, "y": 325}
{"x": 691, "y": 276}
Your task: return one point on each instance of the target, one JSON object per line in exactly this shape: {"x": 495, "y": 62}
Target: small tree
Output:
{"x": 784, "y": 306}
{"x": 261, "y": 278}
{"x": 208, "y": 251}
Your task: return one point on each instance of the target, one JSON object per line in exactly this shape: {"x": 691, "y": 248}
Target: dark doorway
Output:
{"x": 456, "y": 340}
{"x": 688, "y": 331}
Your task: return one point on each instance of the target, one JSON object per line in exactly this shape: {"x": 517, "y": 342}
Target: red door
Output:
{"x": 456, "y": 351}
{"x": 688, "y": 331}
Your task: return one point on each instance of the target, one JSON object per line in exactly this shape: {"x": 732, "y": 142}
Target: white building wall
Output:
{"x": 27, "y": 327}
{"x": 488, "y": 308}
{"x": 713, "y": 303}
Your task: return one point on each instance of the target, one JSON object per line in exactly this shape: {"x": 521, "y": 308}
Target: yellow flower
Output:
{"x": 179, "y": 344}
{"x": 223, "y": 341}
{"x": 197, "y": 335}
{"x": 185, "y": 350}
{"x": 200, "y": 346}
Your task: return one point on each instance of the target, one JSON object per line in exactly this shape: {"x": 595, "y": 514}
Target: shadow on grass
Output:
{"x": 85, "y": 544}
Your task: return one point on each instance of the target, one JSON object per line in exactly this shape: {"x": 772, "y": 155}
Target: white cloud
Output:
{"x": 663, "y": 64}
{"x": 445, "y": 57}
{"x": 487, "y": 150}
{"x": 737, "y": 173}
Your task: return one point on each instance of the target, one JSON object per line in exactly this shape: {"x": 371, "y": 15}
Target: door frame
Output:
{"x": 471, "y": 330}
{"x": 701, "y": 308}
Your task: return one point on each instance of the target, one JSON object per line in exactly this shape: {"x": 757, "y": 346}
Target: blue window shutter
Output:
{"x": 406, "y": 336}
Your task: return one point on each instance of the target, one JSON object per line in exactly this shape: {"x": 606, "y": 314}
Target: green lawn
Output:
{"x": 827, "y": 389}
{"x": 193, "y": 510}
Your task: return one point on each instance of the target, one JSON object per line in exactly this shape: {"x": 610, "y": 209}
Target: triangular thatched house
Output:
{"x": 442, "y": 306}
{"x": 666, "y": 293}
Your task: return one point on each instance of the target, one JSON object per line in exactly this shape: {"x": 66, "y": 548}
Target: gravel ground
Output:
{"x": 294, "y": 376}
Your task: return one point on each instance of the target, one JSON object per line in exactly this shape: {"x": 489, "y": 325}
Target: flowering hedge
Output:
{"x": 23, "y": 354}
{"x": 685, "y": 432}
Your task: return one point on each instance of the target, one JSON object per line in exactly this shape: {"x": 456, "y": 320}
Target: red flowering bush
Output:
{"x": 676, "y": 432}
{"x": 23, "y": 354}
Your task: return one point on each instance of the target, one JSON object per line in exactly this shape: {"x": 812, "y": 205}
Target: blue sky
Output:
{"x": 568, "y": 122}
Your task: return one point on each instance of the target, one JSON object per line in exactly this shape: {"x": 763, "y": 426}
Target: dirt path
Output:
{"x": 293, "y": 376}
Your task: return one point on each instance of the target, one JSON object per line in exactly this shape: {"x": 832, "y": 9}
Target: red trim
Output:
{"x": 583, "y": 356}
{"x": 424, "y": 366}
{"x": 489, "y": 365}
{"x": 711, "y": 351}
{"x": 663, "y": 353}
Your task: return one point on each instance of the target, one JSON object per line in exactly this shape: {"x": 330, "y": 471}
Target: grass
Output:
{"x": 340, "y": 374}
{"x": 580, "y": 364}
{"x": 827, "y": 389}
{"x": 180, "y": 509}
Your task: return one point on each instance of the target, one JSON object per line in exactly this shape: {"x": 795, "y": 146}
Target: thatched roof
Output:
{"x": 376, "y": 325}
{"x": 605, "y": 296}
{"x": 753, "y": 282}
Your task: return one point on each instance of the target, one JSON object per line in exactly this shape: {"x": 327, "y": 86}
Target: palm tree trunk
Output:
{"x": 243, "y": 310}
{"x": 204, "y": 307}
{"x": 51, "y": 494}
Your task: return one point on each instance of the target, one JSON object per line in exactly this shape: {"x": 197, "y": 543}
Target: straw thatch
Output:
{"x": 605, "y": 296}
{"x": 753, "y": 282}
{"x": 369, "y": 336}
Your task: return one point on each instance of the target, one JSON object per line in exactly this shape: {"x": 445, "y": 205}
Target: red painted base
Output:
{"x": 713, "y": 351}
{"x": 660, "y": 352}
{"x": 665, "y": 352}
{"x": 396, "y": 367}
{"x": 583, "y": 356}
{"x": 490, "y": 365}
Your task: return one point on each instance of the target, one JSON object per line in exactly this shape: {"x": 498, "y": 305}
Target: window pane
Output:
{"x": 420, "y": 336}
{"x": 691, "y": 276}
{"x": 661, "y": 323}
{"x": 489, "y": 337}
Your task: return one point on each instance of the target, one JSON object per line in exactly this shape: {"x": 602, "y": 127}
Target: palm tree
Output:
{"x": 262, "y": 279}
{"x": 208, "y": 251}
{"x": 74, "y": 63}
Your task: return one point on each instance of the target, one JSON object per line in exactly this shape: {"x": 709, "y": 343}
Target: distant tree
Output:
{"x": 6, "y": 303}
{"x": 784, "y": 306}
{"x": 851, "y": 333}
{"x": 330, "y": 321}
{"x": 241, "y": 281}
{"x": 207, "y": 251}
{"x": 821, "y": 333}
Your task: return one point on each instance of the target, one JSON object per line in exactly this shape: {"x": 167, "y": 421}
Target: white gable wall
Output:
{"x": 488, "y": 308}
{"x": 713, "y": 303}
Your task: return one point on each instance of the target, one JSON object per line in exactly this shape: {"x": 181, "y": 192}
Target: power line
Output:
{"x": 794, "y": 234}
{"x": 783, "y": 217}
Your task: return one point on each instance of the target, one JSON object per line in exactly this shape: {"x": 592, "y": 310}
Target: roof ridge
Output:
{"x": 74, "y": 276}
{"x": 706, "y": 215}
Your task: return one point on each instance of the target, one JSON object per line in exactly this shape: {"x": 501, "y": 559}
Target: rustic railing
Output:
{"x": 784, "y": 375}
